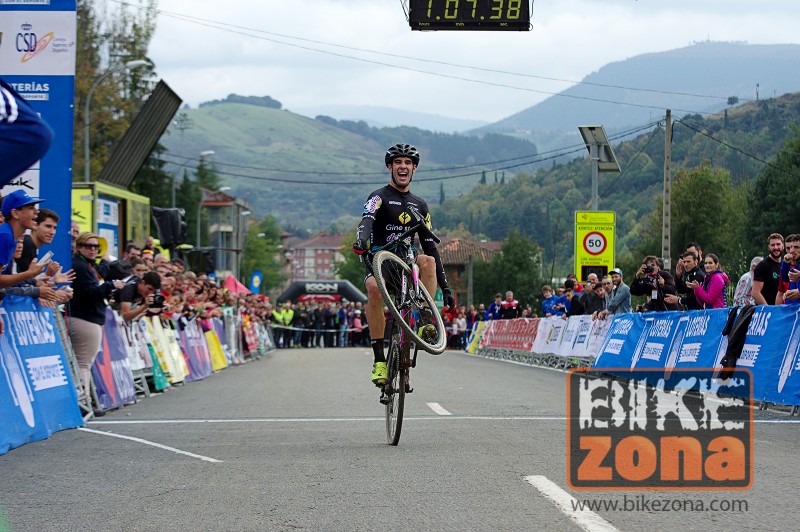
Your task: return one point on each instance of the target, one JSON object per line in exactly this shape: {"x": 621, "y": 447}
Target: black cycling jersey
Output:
{"x": 387, "y": 214}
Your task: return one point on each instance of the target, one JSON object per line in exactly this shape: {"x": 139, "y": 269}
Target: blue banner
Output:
{"x": 694, "y": 339}
{"x": 37, "y": 58}
{"x": 37, "y": 395}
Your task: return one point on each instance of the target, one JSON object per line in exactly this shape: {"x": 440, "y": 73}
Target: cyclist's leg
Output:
{"x": 377, "y": 322}
{"x": 374, "y": 311}
{"x": 427, "y": 273}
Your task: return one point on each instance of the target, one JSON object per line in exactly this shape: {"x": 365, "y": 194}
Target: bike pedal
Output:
{"x": 409, "y": 389}
{"x": 384, "y": 399}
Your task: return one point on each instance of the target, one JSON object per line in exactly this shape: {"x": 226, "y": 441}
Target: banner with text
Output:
{"x": 37, "y": 395}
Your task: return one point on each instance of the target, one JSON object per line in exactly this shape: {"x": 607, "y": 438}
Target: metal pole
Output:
{"x": 665, "y": 220}
{"x": 86, "y": 124}
{"x": 199, "y": 206}
{"x": 595, "y": 156}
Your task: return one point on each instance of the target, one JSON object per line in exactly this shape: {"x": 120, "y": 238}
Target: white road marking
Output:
{"x": 436, "y": 407}
{"x": 586, "y": 519}
{"x": 369, "y": 419}
{"x": 320, "y": 420}
{"x": 146, "y": 442}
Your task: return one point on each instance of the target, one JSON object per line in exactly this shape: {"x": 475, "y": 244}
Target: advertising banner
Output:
{"x": 112, "y": 370}
{"x": 37, "y": 58}
{"x": 194, "y": 346}
{"x": 510, "y": 334}
{"x": 37, "y": 395}
{"x": 690, "y": 340}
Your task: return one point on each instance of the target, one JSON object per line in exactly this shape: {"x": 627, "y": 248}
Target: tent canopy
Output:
{"x": 233, "y": 285}
{"x": 322, "y": 291}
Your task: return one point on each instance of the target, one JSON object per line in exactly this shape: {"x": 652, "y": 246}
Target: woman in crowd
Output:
{"x": 87, "y": 310}
{"x": 711, "y": 293}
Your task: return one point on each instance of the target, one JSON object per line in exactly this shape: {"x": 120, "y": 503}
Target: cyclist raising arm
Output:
{"x": 388, "y": 212}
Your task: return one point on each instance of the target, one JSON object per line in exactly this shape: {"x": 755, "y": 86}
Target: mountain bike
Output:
{"x": 397, "y": 276}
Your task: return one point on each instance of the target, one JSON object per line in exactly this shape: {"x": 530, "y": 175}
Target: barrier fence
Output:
{"x": 770, "y": 348}
{"x": 40, "y": 384}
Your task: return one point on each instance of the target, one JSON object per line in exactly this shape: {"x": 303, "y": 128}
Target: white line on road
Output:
{"x": 165, "y": 447}
{"x": 436, "y": 407}
{"x": 318, "y": 420}
{"x": 586, "y": 519}
{"x": 369, "y": 419}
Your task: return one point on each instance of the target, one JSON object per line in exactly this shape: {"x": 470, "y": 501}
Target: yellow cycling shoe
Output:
{"x": 379, "y": 374}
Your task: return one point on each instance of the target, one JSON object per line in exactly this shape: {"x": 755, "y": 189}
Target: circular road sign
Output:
{"x": 594, "y": 243}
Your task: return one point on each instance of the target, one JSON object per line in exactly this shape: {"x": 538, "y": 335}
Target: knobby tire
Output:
{"x": 389, "y": 270}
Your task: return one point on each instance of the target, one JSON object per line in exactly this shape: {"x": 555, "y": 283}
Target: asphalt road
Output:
{"x": 296, "y": 440}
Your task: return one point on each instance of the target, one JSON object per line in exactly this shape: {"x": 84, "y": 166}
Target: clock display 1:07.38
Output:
{"x": 492, "y": 10}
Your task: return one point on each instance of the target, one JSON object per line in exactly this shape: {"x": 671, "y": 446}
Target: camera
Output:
{"x": 158, "y": 300}
{"x": 649, "y": 268}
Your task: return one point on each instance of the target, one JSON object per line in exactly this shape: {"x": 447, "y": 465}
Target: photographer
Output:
{"x": 655, "y": 283}
{"x": 136, "y": 298}
{"x": 691, "y": 273}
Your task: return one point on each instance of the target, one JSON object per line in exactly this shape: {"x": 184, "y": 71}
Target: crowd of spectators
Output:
{"x": 320, "y": 324}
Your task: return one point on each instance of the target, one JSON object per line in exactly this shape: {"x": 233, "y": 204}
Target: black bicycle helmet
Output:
{"x": 401, "y": 150}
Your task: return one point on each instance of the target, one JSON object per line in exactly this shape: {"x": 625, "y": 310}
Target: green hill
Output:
{"x": 542, "y": 205}
{"x": 310, "y": 172}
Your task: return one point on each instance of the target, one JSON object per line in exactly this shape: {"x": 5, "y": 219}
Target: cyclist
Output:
{"x": 388, "y": 212}
{"x": 24, "y": 136}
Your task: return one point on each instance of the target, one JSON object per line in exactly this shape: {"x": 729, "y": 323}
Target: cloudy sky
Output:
{"x": 362, "y": 52}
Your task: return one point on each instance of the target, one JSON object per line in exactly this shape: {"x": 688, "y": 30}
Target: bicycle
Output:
{"x": 397, "y": 276}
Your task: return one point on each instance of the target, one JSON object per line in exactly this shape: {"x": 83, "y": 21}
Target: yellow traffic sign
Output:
{"x": 594, "y": 243}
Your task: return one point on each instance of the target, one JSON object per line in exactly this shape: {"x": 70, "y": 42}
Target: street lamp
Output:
{"x": 200, "y": 206}
{"x": 203, "y": 154}
{"x": 130, "y": 65}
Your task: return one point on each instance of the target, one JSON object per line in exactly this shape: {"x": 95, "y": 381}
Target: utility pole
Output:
{"x": 665, "y": 220}
{"x": 469, "y": 280}
{"x": 182, "y": 124}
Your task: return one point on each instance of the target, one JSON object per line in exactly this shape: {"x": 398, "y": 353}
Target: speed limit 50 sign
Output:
{"x": 594, "y": 243}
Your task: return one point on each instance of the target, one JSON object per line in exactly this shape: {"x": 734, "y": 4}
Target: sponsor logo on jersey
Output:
{"x": 428, "y": 220}
{"x": 404, "y": 217}
{"x": 394, "y": 202}
{"x": 372, "y": 205}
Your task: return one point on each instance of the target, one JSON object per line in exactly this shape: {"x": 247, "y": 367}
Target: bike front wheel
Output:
{"x": 395, "y": 281}
{"x": 395, "y": 389}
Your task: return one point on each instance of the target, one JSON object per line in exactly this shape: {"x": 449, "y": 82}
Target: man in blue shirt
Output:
{"x": 620, "y": 296}
{"x": 20, "y": 212}
{"x": 552, "y": 305}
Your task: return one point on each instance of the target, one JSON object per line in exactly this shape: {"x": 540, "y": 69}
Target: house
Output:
{"x": 314, "y": 258}
{"x": 456, "y": 255}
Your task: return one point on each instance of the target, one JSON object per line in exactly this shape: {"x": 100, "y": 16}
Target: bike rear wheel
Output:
{"x": 395, "y": 281}
{"x": 397, "y": 363}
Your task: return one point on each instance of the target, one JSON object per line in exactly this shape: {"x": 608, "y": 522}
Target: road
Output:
{"x": 296, "y": 441}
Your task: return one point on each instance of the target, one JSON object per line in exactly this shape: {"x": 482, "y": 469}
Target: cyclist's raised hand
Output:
{"x": 447, "y": 295}
{"x": 359, "y": 247}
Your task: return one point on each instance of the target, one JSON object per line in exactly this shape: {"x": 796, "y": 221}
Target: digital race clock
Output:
{"x": 510, "y": 15}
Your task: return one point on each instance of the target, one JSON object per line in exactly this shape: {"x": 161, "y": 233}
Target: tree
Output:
{"x": 105, "y": 42}
{"x": 517, "y": 268}
{"x": 188, "y": 198}
{"x": 441, "y": 193}
{"x": 263, "y": 252}
{"x": 153, "y": 181}
{"x": 483, "y": 177}
{"x": 351, "y": 268}
{"x": 770, "y": 208}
